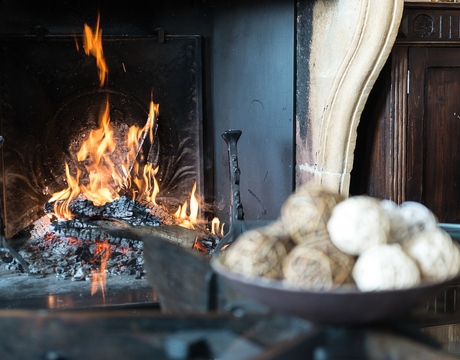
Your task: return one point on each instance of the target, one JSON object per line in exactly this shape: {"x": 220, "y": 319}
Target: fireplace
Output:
{"x": 257, "y": 76}
{"x": 242, "y": 70}
{"x": 182, "y": 65}
{"x": 65, "y": 101}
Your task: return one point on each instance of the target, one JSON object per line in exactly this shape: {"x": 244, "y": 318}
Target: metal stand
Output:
{"x": 237, "y": 225}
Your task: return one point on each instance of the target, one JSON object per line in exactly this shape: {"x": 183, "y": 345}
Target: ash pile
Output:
{"x": 98, "y": 239}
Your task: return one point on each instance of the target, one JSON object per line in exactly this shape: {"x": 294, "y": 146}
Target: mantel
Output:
{"x": 350, "y": 42}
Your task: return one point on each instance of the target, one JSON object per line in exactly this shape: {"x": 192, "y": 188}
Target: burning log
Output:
{"x": 122, "y": 208}
{"x": 122, "y": 233}
{"x": 88, "y": 230}
{"x": 124, "y": 221}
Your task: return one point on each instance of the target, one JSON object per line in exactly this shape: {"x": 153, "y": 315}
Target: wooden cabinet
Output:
{"x": 408, "y": 145}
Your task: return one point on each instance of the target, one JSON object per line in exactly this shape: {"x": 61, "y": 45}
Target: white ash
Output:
{"x": 75, "y": 259}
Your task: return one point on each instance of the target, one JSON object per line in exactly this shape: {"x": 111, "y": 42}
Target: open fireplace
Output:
{"x": 274, "y": 70}
{"x": 187, "y": 57}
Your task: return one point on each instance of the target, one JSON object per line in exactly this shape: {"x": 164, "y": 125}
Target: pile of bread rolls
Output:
{"x": 322, "y": 241}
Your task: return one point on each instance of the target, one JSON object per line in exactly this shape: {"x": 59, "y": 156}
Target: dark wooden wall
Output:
{"x": 408, "y": 138}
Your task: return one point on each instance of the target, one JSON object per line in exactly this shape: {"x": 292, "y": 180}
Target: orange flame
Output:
{"x": 98, "y": 278}
{"x": 216, "y": 227}
{"x": 105, "y": 178}
{"x": 146, "y": 185}
{"x": 92, "y": 43}
{"x": 72, "y": 191}
{"x": 189, "y": 221}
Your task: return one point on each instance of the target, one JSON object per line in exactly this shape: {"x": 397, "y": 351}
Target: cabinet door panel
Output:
{"x": 441, "y": 192}
{"x": 433, "y": 151}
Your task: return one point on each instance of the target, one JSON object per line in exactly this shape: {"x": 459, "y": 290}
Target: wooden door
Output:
{"x": 433, "y": 133}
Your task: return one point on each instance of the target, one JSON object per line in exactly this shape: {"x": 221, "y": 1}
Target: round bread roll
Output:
{"x": 436, "y": 255}
{"x": 258, "y": 253}
{"x": 358, "y": 223}
{"x": 418, "y": 217}
{"x": 305, "y": 213}
{"x": 385, "y": 267}
{"x": 399, "y": 228}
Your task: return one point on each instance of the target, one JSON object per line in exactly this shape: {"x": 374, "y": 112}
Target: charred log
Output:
{"x": 88, "y": 230}
{"x": 123, "y": 208}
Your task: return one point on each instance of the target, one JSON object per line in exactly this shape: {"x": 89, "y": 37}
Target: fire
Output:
{"x": 98, "y": 278}
{"x": 189, "y": 219}
{"x": 146, "y": 186}
{"x": 61, "y": 205}
{"x": 104, "y": 177}
{"x": 98, "y": 178}
{"x": 216, "y": 227}
{"x": 92, "y": 43}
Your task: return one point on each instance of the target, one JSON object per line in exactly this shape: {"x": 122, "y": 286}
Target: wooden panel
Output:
{"x": 441, "y": 191}
{"x": 430, "y": 24}
{"x": 407, "y": 138}
{"x": 379, "y": 167}
{"x": 398, "y": 125}
{"x": 433, "y": 130}
{"x": 416, "y": 114}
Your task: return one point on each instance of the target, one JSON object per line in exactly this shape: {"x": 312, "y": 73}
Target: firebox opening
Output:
{"x": 197, "y": 82}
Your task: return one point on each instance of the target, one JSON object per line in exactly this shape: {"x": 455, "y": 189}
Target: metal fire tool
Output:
{"x": 3, "y": 242}
{"x": 236, "y": 215}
